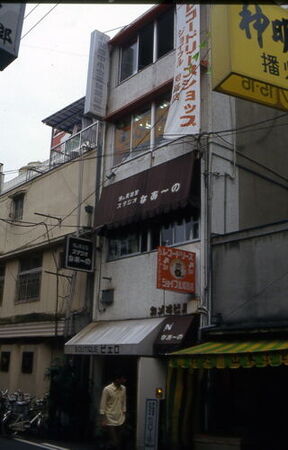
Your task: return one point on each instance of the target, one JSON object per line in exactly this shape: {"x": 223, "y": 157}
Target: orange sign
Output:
{"x": 176, "y": 270}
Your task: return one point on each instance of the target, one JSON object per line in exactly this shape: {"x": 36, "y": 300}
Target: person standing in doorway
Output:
{"x": 113, "y": 411}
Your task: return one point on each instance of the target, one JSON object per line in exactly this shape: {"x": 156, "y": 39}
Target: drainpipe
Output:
{"x": 1, "y": 178}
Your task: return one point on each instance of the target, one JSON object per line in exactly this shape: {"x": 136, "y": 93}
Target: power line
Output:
{"x": 40, "y": 20}
{"x": 31, "y": 11}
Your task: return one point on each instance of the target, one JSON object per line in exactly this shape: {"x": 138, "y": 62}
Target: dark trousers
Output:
{"x": 114, "y": 437}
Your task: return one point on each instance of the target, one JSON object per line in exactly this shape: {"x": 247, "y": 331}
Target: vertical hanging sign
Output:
{"x": 11, "y": 22}
{"x": 184, "y": 111}
{"x": 98, "y": 72}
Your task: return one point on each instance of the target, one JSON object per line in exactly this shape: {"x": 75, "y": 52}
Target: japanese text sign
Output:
{"x": 97, "y": 78}
{"x": 79, "y": 254}
{"x": 176, "y": 270}
{"x": 250, "y": 54}
{"x": 11, "y": 22}
{"x": 184, "y": 111}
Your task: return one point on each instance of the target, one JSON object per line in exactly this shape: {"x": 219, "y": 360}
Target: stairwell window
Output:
{"x": 17, "y": 206}
{"x": 150, "y": 43}
{"x": 29, "y": 278}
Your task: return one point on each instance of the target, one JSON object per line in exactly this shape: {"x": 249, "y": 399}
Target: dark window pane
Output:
{"x": 144, "y": 241}
{"x": 27, "y": 362}
{"x": 5, "y": 361}
{"x": 179, "y": 231}
{"x": 146, "y": 46}
{"x": 165, "y": 33}
{"x": 155, "y": 237}
{"x": 162, "y": 108}
{"x": 129, "y": 60}
{"x": 167, "y": 235}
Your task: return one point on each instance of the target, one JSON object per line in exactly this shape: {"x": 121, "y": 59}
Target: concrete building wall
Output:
{"x": 133, "y": 279}
{"x": 55, "y": 193}
{"x": 250, "y": 278}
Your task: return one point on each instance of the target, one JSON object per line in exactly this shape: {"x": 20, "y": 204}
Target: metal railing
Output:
{"x": 76, "y": 145}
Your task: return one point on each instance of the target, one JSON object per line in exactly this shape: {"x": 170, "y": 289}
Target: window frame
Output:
{"x": 17, "y": 206}
{"x": 28, "y": 276}
{"x": 147, "y": 234}
{"x": 155, "y": 46}
{"x": 154, "y": 140}
{"x": 27, "y": 362}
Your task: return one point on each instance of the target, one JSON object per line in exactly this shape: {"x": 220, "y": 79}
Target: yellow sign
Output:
{"x": 250, "y": 53}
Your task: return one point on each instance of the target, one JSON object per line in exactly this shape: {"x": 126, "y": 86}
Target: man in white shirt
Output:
{"x": 113, "y": 410}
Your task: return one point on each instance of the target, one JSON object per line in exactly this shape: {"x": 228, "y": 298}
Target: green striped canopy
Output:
{"x": 232, "y": 355}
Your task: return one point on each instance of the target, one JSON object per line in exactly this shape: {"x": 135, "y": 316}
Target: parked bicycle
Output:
{"x": 23, "y": 413}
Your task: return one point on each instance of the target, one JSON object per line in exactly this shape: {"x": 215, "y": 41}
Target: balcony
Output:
{"x": 76, "y": 145}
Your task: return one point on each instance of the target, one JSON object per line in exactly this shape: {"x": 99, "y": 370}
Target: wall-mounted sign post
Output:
{"x": 176, "y": 269}
{"x": 250, "y": 53}
{"x": 79, "y": 254}
{"x": 11, "y": 22}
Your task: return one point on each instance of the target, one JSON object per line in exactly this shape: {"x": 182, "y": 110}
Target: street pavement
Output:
{"x": 26, "y": 443}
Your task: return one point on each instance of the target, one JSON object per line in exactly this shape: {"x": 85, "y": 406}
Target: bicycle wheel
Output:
{"x": 6, "y": 426}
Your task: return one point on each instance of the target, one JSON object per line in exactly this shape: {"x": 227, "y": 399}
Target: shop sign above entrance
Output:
{"x": 250, "y": 53}
{"x": 176, "y": 270}
{"x": 79, "y": 254}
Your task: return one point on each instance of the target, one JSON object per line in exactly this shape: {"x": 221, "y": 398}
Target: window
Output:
{"x": 142, "y": 51}
{"x": 17, "y": 206}
{"x": 5, "y": 361}
{"x": 29, "y": 278}
{"x": 134, "y": 133}
{"x": 27, "y": 362}
{"x": 184, "y": 229}
{"x": 2, "y": 279}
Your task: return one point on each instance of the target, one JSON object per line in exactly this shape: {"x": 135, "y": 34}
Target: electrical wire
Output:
{"x": 40, "y": 20}
{"x": 25, "y": 17}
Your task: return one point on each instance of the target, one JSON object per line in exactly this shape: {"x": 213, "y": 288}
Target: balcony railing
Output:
{"x": 76, "y": 145}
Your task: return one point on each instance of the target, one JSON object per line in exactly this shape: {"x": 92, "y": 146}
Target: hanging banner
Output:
{"x": 250, "y": 54}
{"x": 184, "y": 111}
{"x": 176, "y": 269}
{"x": 98, "y": 73}
{"x": 11, "y": 22}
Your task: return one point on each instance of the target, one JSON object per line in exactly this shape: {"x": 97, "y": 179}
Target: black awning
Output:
{"x": 159, "y": 190}
{"x": 176, "y": 332}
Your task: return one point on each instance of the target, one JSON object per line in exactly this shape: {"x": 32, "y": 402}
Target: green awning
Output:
{"x": 232, "y": 355}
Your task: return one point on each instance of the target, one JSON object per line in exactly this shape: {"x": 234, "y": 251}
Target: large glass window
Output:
{"x": 142, "y": 51}
{"x": 133, "y": 133}
{"x": 29, "y": 278}
{"x": 122, "y": 244}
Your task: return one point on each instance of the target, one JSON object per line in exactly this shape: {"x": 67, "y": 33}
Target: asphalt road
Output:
{"x": 27, "y": 444}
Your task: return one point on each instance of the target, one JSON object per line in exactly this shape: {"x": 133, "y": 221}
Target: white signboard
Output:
{"x": 11, "y": 22}
{"x": 98, "y": 72}
{"x": 151, "y": 424}
{"x": 184, "y": 111}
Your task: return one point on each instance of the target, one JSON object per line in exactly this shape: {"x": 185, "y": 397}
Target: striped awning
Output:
{"x": 232, "y": 355}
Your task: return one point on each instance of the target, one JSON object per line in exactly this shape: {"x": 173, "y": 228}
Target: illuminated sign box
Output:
{"x": 250, "y": 53}
{"x": 79, "y": 254}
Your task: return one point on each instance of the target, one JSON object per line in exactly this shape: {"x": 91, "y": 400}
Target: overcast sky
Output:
{"x": 50, "y": 73}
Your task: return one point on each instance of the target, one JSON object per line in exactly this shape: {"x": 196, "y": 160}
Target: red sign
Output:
{"x": 176, "y": 270}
